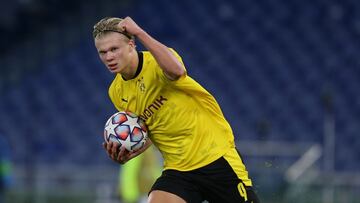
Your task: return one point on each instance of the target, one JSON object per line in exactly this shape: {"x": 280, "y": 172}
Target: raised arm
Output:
{"x": 171, "y": 66}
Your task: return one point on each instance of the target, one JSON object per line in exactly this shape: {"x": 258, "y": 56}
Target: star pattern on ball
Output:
{"x": 127, "y": 130}
{"x": 110, "y": 127}
{"x": 131, "y": 122}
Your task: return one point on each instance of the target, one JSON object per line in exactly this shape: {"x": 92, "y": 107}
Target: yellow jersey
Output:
{"x": 185, "y": 122}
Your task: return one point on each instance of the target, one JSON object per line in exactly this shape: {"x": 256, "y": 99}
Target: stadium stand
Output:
{"x": 270, "y": 64}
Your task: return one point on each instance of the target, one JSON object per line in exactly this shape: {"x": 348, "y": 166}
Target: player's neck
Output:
{"x": 132, "y": 68}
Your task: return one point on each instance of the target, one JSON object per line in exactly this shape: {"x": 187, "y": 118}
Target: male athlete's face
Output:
{"x": 115, "y": 51}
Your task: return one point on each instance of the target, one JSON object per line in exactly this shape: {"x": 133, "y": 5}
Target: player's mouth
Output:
{"x": 112, "y": 66}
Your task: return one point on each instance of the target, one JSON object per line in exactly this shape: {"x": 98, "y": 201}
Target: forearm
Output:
{"x": 171, "y": 66}
{"x": 147, "y": 144}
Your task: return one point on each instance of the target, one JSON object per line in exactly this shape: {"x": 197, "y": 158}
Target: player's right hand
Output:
{"x": 115, "y": 152}
{"x": 120, "y": 154}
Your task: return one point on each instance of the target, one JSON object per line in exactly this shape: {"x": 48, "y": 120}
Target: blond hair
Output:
{"x": 109, "y": 24}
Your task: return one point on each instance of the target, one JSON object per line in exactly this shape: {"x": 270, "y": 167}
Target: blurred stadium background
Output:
{"x": 286, "y": 73}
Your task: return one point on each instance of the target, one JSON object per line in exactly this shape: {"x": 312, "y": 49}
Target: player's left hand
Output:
{"x": 128, "y": 25}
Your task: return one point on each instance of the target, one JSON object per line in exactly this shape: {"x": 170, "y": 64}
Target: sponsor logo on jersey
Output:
{"x": 152, "y": 108}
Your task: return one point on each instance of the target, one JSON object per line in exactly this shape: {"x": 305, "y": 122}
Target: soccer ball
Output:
{"x": 127, "y": 129}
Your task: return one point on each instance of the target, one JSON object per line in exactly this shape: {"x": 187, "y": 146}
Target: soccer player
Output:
{"x": 185, "y": 122}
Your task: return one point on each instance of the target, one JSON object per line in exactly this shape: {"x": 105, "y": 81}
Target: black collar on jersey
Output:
{"x": 140, "y": 65}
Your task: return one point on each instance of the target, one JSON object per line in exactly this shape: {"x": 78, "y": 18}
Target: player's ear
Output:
{"x": 132, "y": 43}
{"x": 132, "y": 46}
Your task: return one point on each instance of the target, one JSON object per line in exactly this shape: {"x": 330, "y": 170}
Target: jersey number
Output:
{"x": 242, "y": 191}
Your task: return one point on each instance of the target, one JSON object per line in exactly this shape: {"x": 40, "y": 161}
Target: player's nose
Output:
{"x": 109, "y": 56}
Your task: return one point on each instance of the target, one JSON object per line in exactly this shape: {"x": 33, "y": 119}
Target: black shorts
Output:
{"x": 216, "y": 183}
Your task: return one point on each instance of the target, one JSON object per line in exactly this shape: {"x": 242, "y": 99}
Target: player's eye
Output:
{"x": 113, "y": 49}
